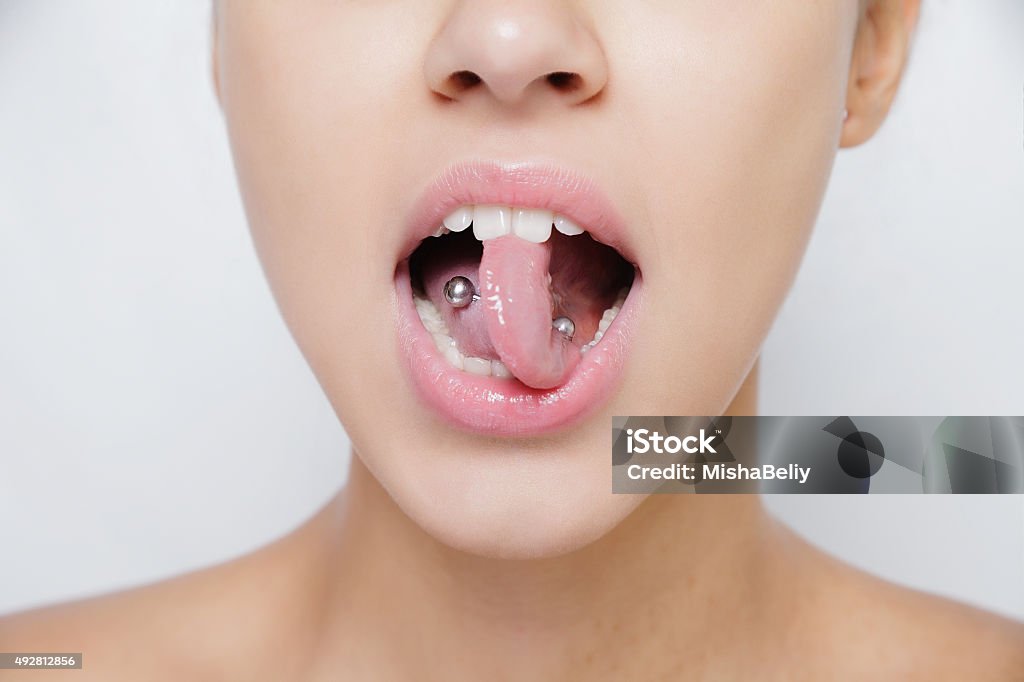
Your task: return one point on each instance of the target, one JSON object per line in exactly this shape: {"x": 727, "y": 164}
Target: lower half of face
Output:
{"x": 483, "y": 264}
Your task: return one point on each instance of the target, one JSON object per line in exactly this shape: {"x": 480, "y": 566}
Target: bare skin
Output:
{"x": 687, "y": 588}
{"x": 454, "y": 554}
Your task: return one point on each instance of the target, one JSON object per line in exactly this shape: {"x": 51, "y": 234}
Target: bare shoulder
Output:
{"x": 892, "y": 632}
{"x": 154, "y": 628}
{"x": 946, "y": 639}
{"x": 217, "y": 623}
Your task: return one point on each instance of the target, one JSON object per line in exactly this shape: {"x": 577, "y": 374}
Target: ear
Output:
{"x": 214, "y": 45}
{"x": 880, "y": 53}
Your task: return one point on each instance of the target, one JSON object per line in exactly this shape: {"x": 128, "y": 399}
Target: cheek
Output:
{"x": 737, "y": 110}
{"x": 310, "y": 101}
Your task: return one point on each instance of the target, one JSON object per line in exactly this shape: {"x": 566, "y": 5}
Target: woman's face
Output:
{"x": 693, "y": 137}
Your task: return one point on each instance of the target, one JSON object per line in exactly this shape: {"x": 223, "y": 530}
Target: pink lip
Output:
{"x": 503, "y": 407}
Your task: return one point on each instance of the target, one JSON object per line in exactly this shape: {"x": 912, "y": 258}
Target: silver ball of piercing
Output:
{"x": 460, "y": 292}
{"x": 565, "y": 326}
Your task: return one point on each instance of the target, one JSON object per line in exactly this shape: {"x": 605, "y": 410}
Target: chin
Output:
{"x": 541, "y": 520}
{"x": 537, "y": 499}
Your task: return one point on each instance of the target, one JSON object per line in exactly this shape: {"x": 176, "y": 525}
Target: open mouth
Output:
{"x": 516, "y": 293}
{"x": 511, "y": 313}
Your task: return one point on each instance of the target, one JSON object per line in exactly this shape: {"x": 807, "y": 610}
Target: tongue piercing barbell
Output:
{"x": 565, "y": 326}
{"x": 460, "y": 292}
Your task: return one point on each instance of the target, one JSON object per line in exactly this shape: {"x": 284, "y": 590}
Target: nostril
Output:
{"x": 565, "y": 81}
{"x": 464, "y": 80}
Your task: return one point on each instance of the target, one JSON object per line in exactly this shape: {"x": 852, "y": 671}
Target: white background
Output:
{"x": 156, "y": 417}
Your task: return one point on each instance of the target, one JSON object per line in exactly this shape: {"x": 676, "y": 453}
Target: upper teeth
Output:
{"x": 491, "y": 222}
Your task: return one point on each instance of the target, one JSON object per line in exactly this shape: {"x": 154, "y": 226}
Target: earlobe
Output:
{"x": 880, "y": 54}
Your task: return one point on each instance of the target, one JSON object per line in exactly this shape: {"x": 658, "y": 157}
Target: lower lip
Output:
{"x": 506, "y": 407}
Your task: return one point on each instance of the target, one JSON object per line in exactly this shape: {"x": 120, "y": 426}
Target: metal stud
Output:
{"x": 565, "y": 326}
{"x": 460, "y": 292}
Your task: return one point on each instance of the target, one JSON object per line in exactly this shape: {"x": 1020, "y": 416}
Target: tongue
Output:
{"x": 515, "y": 290}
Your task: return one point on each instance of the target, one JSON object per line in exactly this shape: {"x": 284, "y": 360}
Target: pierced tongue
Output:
{"x": 515, "y": 290}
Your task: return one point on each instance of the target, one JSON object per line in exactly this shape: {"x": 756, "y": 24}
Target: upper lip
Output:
{"x": 521, "y": 184}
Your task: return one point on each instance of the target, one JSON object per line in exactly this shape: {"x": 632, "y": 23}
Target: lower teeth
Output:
{"x": 433, "y": 323}
{"x": 606, "y": 320}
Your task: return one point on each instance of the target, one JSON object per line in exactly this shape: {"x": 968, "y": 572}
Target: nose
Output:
{"x": 516, "y": 50}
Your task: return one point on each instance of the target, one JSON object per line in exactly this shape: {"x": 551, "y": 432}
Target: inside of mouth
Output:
{"x": 587, "y": 283}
